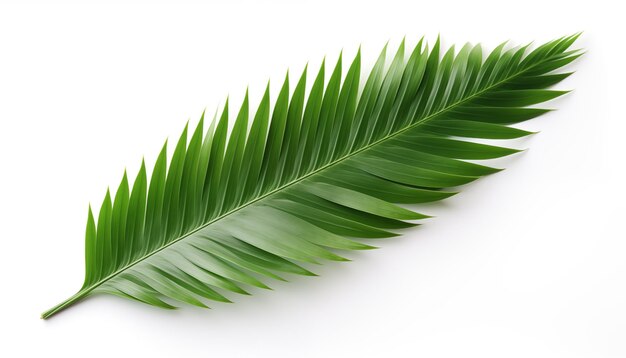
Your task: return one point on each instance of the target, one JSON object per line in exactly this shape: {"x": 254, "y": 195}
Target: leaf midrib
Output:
{"x": 85, "y": 291}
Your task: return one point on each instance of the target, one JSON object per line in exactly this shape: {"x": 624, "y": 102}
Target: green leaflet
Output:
{"x": 314, "y": 173}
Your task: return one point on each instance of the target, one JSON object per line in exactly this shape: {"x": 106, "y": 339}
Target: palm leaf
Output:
{"x": 310, "y": 178}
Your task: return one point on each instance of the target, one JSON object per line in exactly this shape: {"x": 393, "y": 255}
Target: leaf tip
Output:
{"x": 306, "y": 272}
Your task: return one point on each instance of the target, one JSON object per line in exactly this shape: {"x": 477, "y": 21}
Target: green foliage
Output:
{"x": 311, "y": 177}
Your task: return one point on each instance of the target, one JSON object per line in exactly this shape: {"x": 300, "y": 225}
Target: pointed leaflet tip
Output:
{"x": 419, "y": 45}
{"x": 339, "y": 258}
{"x": 572, "y": 38}
{"x": 225, "y": 109}
{"x": 200, "y": 125}
{"x": 383, "y": 53}
{"x": 368, "y": 247}
{"x": 164, "y": 148}
{"x": 575, "y": 36}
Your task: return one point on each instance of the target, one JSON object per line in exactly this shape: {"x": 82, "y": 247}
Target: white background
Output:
{"x": 529, "y": 262}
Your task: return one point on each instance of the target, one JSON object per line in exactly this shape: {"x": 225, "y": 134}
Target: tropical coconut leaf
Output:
{"x": 309, "y": 178}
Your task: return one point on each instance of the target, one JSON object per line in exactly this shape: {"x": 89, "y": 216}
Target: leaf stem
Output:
{"x": 78, "y": 296}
